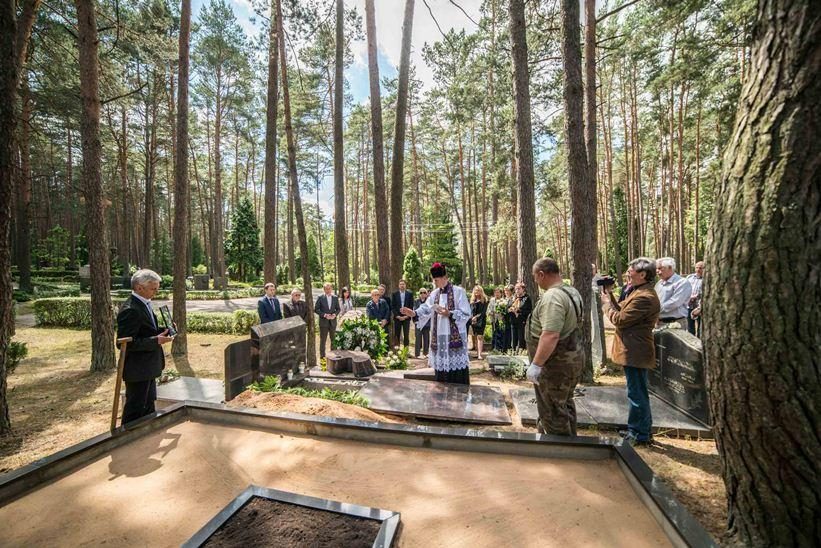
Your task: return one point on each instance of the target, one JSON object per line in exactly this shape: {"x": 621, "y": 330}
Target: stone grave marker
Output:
{"x": 241, "y": 368}
{"x": 281, "y": 346}
{"x": 437, "y": 400}
{"x": 679, "y": 377}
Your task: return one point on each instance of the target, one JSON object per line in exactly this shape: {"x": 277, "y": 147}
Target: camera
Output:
{"x": 606, "y": 281}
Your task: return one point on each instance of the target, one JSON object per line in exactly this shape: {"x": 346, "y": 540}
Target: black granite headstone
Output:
{"x": 679, "y": 377}
{"x": 239, "y": 368}
{"x": 281, "y": 346}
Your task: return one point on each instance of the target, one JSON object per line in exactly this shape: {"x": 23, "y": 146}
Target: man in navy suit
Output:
{"x": 144, "y": 359}
{"x": 327, "y": 307}
{"x": 268, "y": 306}
{"x": 401, "y": 324}
{"x": 378, "y": 309}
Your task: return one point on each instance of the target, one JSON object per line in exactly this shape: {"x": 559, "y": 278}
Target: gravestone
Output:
{"x": 350, "y": 361}
{"x": 436, "y": 400}
{"x": 201, "y": 282}
{"x": 679, "y": 377}
{"x": 280, "y": 346}
{"x": 241, "y": 368}
{"x": 85, "y": 278}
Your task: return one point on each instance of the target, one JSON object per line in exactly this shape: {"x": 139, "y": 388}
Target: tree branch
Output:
{"x": 132, "y": 92}
{"x": 615, "y": 11}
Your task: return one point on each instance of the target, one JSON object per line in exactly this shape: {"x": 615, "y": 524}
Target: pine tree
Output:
{"x": 242, "y": 250}
{"x": 412, "y": 269}
{"x": 441, "y": 247}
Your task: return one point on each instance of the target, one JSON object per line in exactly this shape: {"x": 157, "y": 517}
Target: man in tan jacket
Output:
{"x": 633, "y": 347}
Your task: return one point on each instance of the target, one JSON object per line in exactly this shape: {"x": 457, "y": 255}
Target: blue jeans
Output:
{"x": 640, "y": 419}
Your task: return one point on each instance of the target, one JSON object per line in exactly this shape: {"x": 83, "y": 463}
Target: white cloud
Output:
{"x": 389, "y": 16}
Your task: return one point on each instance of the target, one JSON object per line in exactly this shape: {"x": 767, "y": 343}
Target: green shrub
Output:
{"x": 272, "y": 384}
{"x": 16, "y": 353}
{"x": 63, "y": 312}
{"x": 238, "y": 322}
{"x": 199, "y": 270}
{"x": 166, "y": 282}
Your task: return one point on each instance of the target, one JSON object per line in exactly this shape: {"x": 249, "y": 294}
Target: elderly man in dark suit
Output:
{"x": 327, "y": 307}
{"x": 268, "y": 306}
{"x": 296, "y": 306}
{"x": 145, "y": 358}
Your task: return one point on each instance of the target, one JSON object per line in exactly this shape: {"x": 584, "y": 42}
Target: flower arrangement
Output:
{"x": 397, "y": 358}
{"x": 362, "y": 334}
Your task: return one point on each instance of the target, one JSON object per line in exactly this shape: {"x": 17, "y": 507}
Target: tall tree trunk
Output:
{"x": 763, "y": 365}
{"x": 270, "y": 238}
{"x": 398, "y": 162}
{"x": 295, "y": 197}
{"x": 182, "y": 227}
{"x": 343, "y": 274}
{"x": 102, "y": 318}
{"x": 581, "y": 182}
{"x": 14, "y": 38}
{"x": 218, "y": 235}
{"x": 24, "y": 189}
{"x": 526, "y": 199}
{"x": 380, "y": 200}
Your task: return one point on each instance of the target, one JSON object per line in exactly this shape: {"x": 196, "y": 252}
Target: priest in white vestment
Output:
{"x": 448, "y": 311}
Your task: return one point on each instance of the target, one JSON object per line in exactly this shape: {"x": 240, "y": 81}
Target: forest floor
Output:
{"x": 56, "y": 402}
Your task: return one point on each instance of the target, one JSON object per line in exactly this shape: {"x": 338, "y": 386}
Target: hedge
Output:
{"x": 63, "y": 312}
{"x": 209, "y": 295}
{"x": 75, "y": 312}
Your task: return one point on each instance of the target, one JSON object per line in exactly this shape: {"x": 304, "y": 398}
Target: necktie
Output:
{"x": 151, "y": 314}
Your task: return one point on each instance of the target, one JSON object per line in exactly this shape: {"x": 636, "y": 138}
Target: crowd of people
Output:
{"x": 447, "y": 321}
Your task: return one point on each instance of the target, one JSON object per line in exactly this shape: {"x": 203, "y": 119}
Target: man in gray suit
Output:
{"x": 327, "y": 307}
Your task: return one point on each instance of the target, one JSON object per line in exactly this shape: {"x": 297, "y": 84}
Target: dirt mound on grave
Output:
{"x": 272, "y": 401}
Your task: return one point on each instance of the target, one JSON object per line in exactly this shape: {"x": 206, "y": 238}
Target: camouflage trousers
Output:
{"x": 554, "y": 391}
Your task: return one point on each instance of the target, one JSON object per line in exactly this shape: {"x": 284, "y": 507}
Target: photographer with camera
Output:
{"x": 634, "y": 348}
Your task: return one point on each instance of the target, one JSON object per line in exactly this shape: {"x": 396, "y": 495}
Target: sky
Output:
{"x": 389, "y": 15}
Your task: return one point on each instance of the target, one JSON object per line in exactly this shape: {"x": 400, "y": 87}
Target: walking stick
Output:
{"x": 122, "y": 343}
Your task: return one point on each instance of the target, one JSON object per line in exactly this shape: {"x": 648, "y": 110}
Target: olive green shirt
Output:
{"x": 555, "y": 312}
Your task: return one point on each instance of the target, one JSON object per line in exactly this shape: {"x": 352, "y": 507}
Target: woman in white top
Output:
{"x": 345, "y": 301}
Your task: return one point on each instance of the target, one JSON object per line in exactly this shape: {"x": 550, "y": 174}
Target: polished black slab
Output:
{"x": 435, "y": 400}
{"x": 679, "y": 377}
{"x": 607, "y": 407}
{"x": 239, "y": 367}
{"x": 281, "y": 346}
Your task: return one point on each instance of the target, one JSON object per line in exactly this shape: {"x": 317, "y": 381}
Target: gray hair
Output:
{"x": 646, "y": 265}
{"x": 143, "y": 276}
{"x": 666, "y": 261}
{"x": 296, "y": 290}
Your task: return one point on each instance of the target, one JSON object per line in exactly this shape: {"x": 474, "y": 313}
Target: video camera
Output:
{"x": 606, "y": 281}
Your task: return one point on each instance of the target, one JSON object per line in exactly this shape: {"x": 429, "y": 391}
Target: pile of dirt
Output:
{"x": 272, "y": 401}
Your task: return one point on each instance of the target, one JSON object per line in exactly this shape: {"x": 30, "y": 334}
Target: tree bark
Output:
{"x": 102, "y": 317}
{"x": 14, "y": 37}
{"x": 526, "y": 199}
{"x": 398, "y": 162}
{"x": 582, "y": 192}
{"x": 343, "y": 273}
{"x": 296, "y": 199}
{"x": 269, "y": 267}
{"x": 763, "y": 363}
{"x": 23, "y": 221}
{"x": 182, "y": 195}
{"x": 380, "y": 200}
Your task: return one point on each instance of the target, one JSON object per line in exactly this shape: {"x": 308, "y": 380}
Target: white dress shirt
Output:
{"x": 673, "y": 296}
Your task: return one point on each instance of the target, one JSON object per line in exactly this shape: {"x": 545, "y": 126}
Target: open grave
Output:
{"x": 162, "y": 479}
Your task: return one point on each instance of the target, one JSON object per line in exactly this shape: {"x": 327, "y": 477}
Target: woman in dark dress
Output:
{"x": 478, "y": 319}
{"x": 496, "y": 319}
{"x": 507, "y": 339}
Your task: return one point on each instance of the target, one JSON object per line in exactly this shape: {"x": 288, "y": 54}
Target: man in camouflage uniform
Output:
{"x": 554, "y": 346}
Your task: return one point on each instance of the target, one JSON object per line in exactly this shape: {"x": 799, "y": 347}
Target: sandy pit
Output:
{"x": 160, "y": 489}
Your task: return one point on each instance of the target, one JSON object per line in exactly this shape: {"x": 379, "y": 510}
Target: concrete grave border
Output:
{"x": 681, "y": 528}
{"x": 384, "y": 537}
